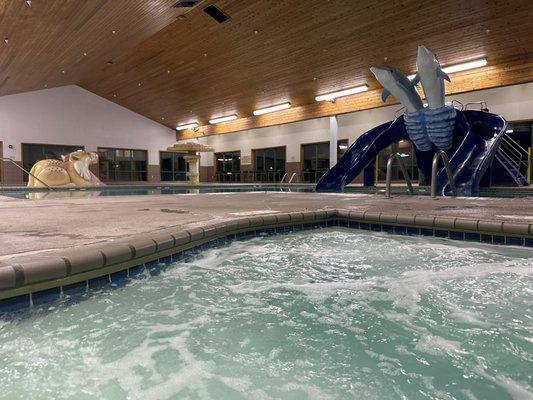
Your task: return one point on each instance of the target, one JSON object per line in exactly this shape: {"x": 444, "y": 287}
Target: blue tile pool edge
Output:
{"x": 42, "y": 299}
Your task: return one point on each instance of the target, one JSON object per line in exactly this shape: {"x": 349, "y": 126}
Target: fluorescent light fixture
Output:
{"x": 509, "y": 131}
{"x": 343, "y": 146}
{"x": 461, "y": 67}
{"x": 191, "y": 125}
{"x": 341, "y": 93}
{"x": 222, "y": 119}
{"x": 267, "y": 110}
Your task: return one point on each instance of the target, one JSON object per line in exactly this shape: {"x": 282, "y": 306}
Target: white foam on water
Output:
{"x": 282, "y": 317}
{"x": 436, "y": 345}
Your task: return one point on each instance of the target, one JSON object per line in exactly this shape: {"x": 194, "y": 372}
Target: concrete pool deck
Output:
{"x": 50, "y": 247}
{"x": 28, "y": 227}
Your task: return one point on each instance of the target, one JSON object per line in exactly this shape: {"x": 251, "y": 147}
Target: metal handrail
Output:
{"x": 282, "y": 179}
{"x": 24, "y": 170}
{"x": 389, "y": 174}
{"x": 482, "y": 105}
{"x": 519, "y": 158}
{"x": 434, "y": 166}
{"x": 510, "y": 148}
{"x": 517, "y": 164}
{"x": 292, "y": 177}
{"x": 513, "y": 143}
{"x": 458, "y": 102}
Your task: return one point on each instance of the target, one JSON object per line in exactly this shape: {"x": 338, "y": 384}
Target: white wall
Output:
{"x": 513, "y": 102}
{"x": 71, "y": 115}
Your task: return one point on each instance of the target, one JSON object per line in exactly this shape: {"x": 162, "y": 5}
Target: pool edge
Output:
{"x": 48, "y": 276}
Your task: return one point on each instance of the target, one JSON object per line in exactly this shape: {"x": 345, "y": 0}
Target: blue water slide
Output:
{"x": 362, "y": 152}
{"x": 482, "y": 134}
{"x": 476, "y": 139}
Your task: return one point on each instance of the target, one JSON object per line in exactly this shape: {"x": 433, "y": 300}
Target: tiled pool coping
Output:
{"x": 46, "y": 279}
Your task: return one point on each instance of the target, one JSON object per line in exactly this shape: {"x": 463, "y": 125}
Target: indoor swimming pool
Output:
{"x": 319, "y": 314}
{"x": 140, "y": 190}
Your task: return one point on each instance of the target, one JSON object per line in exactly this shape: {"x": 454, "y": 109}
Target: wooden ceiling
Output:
{"x": 178, "y": 70}
{"x": 49, "y": 43}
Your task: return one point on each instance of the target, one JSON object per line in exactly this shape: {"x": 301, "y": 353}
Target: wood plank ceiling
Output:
{"x": 178, "y": 70}
{"x": 47, "y": 43}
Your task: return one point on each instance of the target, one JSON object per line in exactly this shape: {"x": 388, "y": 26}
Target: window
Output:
{"x": 31, "y": 153}
{"x": 406, "y": 150}
{"x": 228, "y": 166}
{"x": 173, "y": 166}
{"x": 315, "y": 159}
{"x": 269, "y": 164}
{"x": 122, "y": 165}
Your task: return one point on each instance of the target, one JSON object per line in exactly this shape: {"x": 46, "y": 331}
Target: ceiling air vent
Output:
{"x": 216, "y": 13}
{"x": 186, "y": 3}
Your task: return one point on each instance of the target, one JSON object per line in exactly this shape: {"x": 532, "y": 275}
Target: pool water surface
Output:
{"x": 321, "y": 314}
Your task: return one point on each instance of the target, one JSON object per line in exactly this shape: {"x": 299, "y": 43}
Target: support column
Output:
{"x": 193, "y": 174}
{"x": 333, "y": 138}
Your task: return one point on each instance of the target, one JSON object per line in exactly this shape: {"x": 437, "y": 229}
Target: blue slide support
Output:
{"x": 477, "y": 137}
{"x": 362, "y": 152}
{"x": 483, "y": 133}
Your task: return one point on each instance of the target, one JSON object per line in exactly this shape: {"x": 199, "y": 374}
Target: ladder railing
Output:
{"x": 10, "y": 160}
{"x": 398, "y": 157}
{"x": 292, "y": 177}
{"x": 434, "y": 169}
{"x": 282, "y": 179}
{"x": 515, "y": 152}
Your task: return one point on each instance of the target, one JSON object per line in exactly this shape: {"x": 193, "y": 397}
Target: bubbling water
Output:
{"x": 325, "y": 314}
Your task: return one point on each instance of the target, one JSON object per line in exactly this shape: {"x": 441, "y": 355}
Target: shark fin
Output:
{"x": 384, "y": 95}
{"x": 443, "y": 75}
{"x": 415, "y": 80}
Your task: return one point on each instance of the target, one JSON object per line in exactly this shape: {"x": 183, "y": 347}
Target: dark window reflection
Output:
{"x": 269, "y": 164}
{"x": 315, "y": 159}
{"x": 122, "y": 165}
{"x": 173, "y": 166}
{"x": 228, "y": 166}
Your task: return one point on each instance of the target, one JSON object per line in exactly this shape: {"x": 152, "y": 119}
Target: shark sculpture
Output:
{"x": 426, "y": 126}
{"x": 396, "y": 83}
{"x": 431, "y": 75}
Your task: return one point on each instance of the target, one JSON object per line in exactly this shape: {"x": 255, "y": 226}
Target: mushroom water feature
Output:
{"x": 192, "y": 158}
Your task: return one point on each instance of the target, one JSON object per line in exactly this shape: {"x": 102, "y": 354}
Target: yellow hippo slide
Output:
{"x": 72, "y": 170}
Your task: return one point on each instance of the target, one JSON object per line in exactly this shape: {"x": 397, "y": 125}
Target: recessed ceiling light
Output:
{"x": 341, "y": 93}
{"x": 168, "y": 71}
{"x": 28, "y": 2}
{"x": 223, "y": 119}
{"x": 450, "y": 69}
{"x": 45, "y": 85}
{"x": 84, "y": 54}
{"x": 63, "y": 71}
{"x": 277, "y": 107}
{"x": 113, "y": 32}
{"x": 190, "y": 125}
{"x": 140, "y": 83}
{"x": 6, "y": 40}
